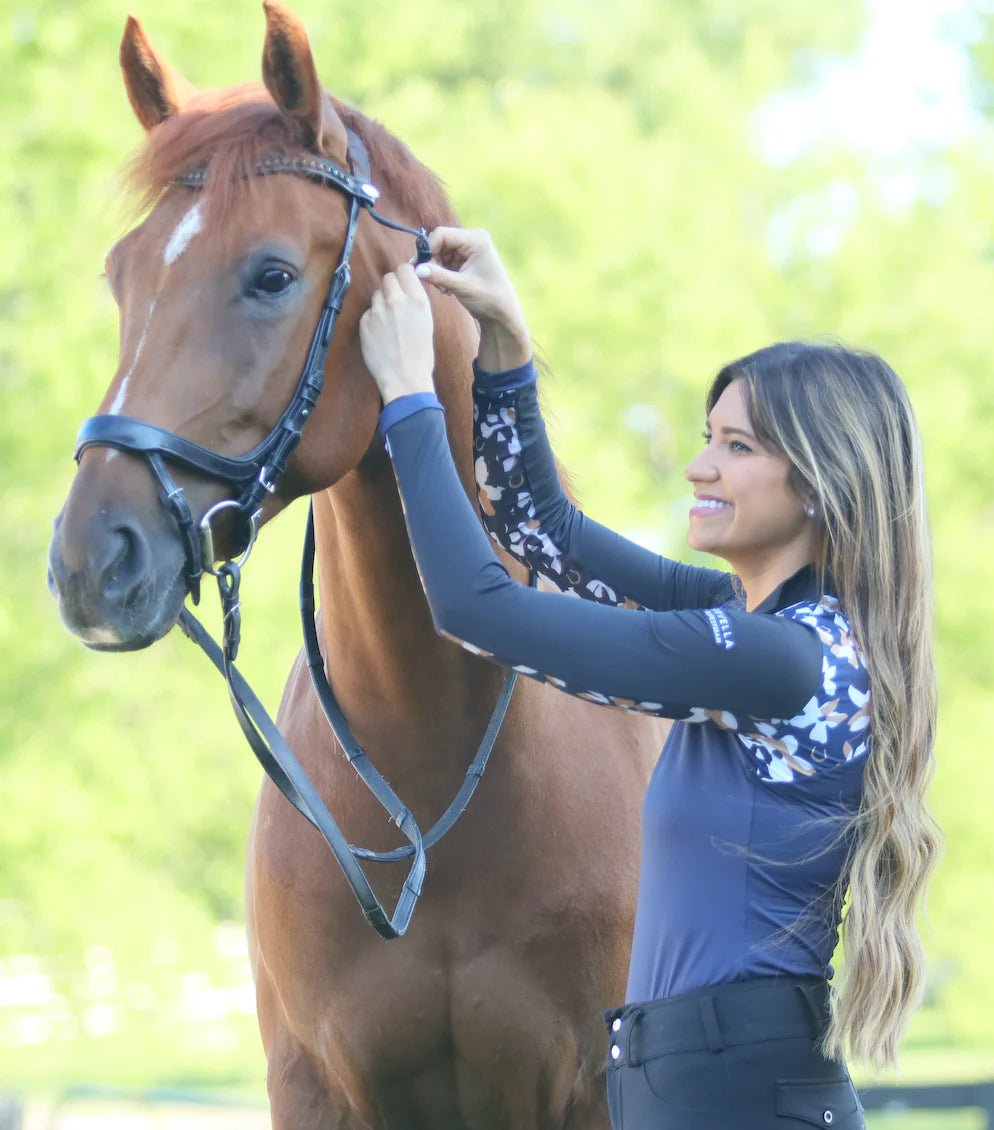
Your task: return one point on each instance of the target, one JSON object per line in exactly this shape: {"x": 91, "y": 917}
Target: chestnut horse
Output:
{"x": 486, "y": 1014}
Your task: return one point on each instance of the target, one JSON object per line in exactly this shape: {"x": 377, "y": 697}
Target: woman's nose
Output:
{"x": 701, "y": 469}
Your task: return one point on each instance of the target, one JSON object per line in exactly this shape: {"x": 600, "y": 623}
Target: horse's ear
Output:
{"x": 155, "y": 89}
{"x": 291, "y": 78}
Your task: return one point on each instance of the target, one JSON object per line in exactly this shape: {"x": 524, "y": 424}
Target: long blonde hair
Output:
{"x": 843, "y": 419}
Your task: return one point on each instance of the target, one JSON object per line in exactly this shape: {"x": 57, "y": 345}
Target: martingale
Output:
{"x": 254, "y": 475}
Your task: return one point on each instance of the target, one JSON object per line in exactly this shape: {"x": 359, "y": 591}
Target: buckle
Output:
{"x": 207, "y": 554}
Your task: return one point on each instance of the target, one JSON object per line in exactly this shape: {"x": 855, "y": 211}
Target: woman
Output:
{"x": 784, "y": 783}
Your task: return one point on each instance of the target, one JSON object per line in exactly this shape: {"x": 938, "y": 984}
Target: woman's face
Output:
{"x": 745, "y": 509}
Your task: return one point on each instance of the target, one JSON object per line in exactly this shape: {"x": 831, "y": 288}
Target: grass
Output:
{"x": 165, "y": 1114}
{"x": 927, "y": 1120}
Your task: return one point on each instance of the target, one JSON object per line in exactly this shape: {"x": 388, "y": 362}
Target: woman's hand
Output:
{"x": 466, "y": 265}
{"x": 396, "y": 336}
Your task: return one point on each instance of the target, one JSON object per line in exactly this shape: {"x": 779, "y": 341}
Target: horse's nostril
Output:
{"x": 128, "y": 561}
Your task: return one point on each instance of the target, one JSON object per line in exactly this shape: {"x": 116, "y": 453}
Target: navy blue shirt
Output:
{"x": 746, "y": 819}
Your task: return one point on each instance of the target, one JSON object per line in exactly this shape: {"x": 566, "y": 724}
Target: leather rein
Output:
{"x": 255, "y": 474}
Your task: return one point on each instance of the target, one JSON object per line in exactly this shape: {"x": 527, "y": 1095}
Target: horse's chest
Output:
{"x": 407, "y": 1040}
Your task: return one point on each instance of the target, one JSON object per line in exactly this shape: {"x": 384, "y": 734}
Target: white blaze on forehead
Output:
{"x": 186, "y": 229}
{"x": 118, "y": 402}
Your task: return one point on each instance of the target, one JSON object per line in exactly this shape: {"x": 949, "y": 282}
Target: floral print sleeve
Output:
{"x": 525, "y": 510}
{"x": 833, "y": 726}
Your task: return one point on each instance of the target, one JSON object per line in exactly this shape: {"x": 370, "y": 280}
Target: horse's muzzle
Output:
{"x": 119, "y": 586}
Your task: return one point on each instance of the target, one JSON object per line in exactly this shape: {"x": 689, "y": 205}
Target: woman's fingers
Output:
{"x": 407, "y": 281}
{"x": 396, "y": 335}
{"x": 457, "y": 243}
{"x": 452, "y": 282}
{"x": 466, "y": 265}
{"x": 390, "y": 286}
{"x": 396, "y": 286}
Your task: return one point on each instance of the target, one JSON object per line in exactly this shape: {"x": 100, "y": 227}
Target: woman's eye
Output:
{"x": 736, "y": 446}
{"x": 273, "y": 281}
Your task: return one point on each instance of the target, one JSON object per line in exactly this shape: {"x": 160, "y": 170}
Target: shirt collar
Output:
{"x": 801, "y": 587}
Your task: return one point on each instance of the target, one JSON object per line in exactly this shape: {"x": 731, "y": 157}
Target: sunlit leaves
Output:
{"x": 612, "y": 151}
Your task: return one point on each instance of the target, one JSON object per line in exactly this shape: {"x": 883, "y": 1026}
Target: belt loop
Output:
{"x": 815, "y": 1014}
{"x": 632, "y": 1024}
{"x": 709, "y": 1018}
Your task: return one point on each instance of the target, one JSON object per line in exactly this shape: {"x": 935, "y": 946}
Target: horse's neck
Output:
{"x": 399, "y": 683}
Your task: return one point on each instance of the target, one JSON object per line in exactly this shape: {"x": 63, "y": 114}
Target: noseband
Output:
{"x": 251, "y": 477}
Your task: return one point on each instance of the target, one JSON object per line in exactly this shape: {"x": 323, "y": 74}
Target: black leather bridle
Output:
{"x": 251, "y": 477}
{"x": 255, "y": 473}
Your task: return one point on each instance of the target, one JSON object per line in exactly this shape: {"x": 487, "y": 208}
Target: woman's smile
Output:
{"x": 707, "y": 506}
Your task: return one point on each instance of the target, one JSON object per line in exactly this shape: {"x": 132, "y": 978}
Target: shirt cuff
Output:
{"x": 405, "y": 406}
{"x": 506, "y": 381}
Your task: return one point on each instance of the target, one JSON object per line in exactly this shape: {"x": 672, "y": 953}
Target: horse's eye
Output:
{"x": 272, "y": 281}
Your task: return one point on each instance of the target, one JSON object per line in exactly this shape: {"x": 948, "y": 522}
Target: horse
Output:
{"x": 486, "y": 1013}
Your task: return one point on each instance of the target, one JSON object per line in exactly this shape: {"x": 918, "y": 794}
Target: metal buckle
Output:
{"x": 207, "y": 536}
{"x": 423, "y": 246}
{"x": 267, "y": 486}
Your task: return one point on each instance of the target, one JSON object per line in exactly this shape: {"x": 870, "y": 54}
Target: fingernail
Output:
{"x": 422, "y": 270}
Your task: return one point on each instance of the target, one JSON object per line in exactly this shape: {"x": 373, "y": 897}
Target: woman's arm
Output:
{"x": 525, "y": 510}
{"x": 521, "y": 500}
{"x": 668, "y": 663}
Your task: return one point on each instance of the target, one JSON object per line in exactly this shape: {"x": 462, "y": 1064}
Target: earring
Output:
{"x": 811, "y": 510}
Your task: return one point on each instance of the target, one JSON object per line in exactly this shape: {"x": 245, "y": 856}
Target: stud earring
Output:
{"x": 810, "y": 510}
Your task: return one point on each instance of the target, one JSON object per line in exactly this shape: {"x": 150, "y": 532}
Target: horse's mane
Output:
{"x": 229, "y": 131}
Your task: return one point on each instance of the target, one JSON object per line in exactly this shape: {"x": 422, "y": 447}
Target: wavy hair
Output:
{"x": 844, "y": 421}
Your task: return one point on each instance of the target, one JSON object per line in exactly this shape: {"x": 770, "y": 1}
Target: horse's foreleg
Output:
{"x": 299, "y": 1097}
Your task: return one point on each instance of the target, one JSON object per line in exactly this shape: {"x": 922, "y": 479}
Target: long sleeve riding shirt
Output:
{"x": 748, "y": 817}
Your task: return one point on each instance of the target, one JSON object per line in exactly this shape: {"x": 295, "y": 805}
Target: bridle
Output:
{"x": 254, "y": 474}
{"x": 251, "y": 477}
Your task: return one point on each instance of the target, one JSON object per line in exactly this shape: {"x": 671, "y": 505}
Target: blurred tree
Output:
{"x": 612, "y": 153}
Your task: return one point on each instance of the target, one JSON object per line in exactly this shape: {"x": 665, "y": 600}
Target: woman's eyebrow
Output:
{"x": 729, "y": 430}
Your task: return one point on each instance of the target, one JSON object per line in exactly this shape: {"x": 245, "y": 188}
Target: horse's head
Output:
{"x": 220, "y": 289}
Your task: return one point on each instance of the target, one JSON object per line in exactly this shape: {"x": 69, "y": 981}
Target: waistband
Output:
{"x": 721, "y": 1016}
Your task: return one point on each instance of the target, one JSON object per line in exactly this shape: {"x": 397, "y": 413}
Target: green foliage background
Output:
{"x": 612, "y": 152}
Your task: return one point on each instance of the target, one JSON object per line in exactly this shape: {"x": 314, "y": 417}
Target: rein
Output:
{"x": 255, "y": 474}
